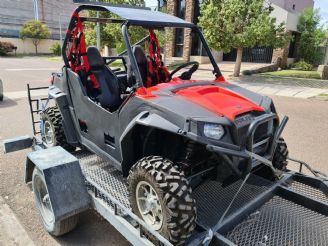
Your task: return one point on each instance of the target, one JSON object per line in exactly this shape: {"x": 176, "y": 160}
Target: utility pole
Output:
{"x": 98, "y": 31}
{"x": 42, "y": 10}
{"x": 60, "y": 32}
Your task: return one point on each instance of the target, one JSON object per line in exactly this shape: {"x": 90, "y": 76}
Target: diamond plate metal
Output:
{"x": 212, "y": 198}
{"x": 281, "y": 222}
{"x": 105, "y": 175}
{"x": 309, "y": 191}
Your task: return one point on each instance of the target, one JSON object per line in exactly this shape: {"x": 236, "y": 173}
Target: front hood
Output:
{"x": 219, "y": 100}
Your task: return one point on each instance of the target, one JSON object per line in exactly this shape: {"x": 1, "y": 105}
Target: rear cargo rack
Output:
{"x": 34, "y": 104}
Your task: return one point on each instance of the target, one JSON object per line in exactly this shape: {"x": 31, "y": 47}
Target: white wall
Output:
{"x": 290, "y": 18}
{"x": 300, "y": 5}
{"x": 27, "y": 47}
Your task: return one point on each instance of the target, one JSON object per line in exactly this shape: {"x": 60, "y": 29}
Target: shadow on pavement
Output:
{"x": 92, "y": 229}
{"x": 7, "y": 102}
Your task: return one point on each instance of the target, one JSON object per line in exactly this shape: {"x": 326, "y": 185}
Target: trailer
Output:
{"x": 292, "y": 210}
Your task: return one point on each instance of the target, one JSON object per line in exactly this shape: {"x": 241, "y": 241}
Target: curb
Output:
{"x": 11, "y": 231}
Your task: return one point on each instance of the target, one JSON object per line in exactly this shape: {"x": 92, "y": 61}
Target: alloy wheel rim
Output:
{"x": 49, "y": 133}
{"x": 149, "y": 205}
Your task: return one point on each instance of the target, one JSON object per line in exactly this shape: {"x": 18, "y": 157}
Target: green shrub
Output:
{"x": 6, "y": 47}
{"x": 55, "y": 49}
{"x": 303, "y": 65}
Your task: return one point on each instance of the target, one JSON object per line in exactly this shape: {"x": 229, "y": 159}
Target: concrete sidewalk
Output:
{"x": 12, "y": 232}
{"x": 282, "y": 90}
{"x": 290, "y": 87}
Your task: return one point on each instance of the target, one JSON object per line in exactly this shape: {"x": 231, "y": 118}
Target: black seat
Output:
{"x": 109, "y": 96}
{"x": 142, "y": 62}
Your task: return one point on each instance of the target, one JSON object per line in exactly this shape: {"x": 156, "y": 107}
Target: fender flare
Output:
{"x": 68, "y": 125}
{"x": 145, "y": 118}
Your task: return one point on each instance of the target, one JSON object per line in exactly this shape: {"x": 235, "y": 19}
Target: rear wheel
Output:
{"x": 161, "y": 196}
{"x": 53, "y": 132}
{"x": 43, "y": 203}
{"x": 280, "y": 155}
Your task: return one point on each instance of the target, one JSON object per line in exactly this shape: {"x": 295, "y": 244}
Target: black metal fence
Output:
{"x": 258, "y": 55}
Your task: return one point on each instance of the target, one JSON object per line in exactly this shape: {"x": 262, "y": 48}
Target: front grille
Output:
{"x": 261, "y": 134}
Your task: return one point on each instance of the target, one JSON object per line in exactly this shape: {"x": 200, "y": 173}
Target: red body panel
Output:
{"x": 221, "y": 101}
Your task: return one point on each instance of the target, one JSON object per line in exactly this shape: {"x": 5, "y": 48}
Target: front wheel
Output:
{"x": 161, "y": 196}
{"x": 44, "y": 207}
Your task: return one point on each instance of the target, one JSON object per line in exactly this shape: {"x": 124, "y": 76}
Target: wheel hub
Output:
{"x": 48, "y": 133}
{"x": 149, "y": 205}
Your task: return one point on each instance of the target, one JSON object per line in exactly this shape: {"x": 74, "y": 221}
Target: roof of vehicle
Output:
{"x": 137, "y": 15}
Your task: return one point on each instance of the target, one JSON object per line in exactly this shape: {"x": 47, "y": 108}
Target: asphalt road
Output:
{"x": 306, "y": 135}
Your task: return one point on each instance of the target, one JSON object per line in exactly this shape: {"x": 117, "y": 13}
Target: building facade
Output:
{"x": 184, "y": 47}
{"x": 14, "y": 13}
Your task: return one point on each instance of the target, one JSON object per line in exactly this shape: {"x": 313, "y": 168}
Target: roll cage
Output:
{"x": 131, "y": 16}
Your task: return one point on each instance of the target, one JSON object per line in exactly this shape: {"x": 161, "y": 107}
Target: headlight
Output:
{"x": 214, "y": 131}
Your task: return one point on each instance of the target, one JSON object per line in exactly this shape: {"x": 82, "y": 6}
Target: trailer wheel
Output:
{"x": 280, "y": 156}
{"x": 161, "y": 196}
{"x": 43, "y": 203}
{"x": 53, "y": 132}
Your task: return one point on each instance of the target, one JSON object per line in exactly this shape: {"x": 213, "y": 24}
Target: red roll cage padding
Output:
{"x": 157, "y": 71}
{"x": 77, "y": 55}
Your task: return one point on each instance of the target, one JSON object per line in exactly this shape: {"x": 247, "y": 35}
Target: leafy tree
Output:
{"x": 240, "y": 24}
{"x": 312, "y": 36}
{"x": 35, "y": 30}
{"x": 111, "y": 34}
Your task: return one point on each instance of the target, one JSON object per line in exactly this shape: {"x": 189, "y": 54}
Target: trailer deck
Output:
{"x": 290, "y": 211}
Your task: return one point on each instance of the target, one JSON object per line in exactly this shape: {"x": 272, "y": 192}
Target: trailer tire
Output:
{"x": 280, "y": 156}
{"x": 53, "y": 133}
{"x": 174, "y": 197}
{"x": 43, "y": 204}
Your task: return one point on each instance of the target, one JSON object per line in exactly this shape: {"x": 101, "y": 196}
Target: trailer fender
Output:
{"x": 64, "y": 180}
{"x": 68, "y": 124}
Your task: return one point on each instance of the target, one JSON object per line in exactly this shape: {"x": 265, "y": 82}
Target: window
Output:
{"x": 179, "y": 32}
{"x": 294, "y": 6}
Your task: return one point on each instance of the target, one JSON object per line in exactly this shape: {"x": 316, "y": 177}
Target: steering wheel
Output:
{"x": 187, "y": 74}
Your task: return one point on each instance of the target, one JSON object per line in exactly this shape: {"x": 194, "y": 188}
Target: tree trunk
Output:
{"x": 236, "y": 71}
{"x": 36, "y": 49}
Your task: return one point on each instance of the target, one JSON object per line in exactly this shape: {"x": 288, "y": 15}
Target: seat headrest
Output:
{"x": 139, "y": 54}
{"x": 94, "y": 57}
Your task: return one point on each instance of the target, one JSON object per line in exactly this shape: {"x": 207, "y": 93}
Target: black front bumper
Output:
{"x": 246, "y": 151}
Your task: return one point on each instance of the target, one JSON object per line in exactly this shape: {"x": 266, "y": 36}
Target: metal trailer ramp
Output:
{"x": 291, "y": 211}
